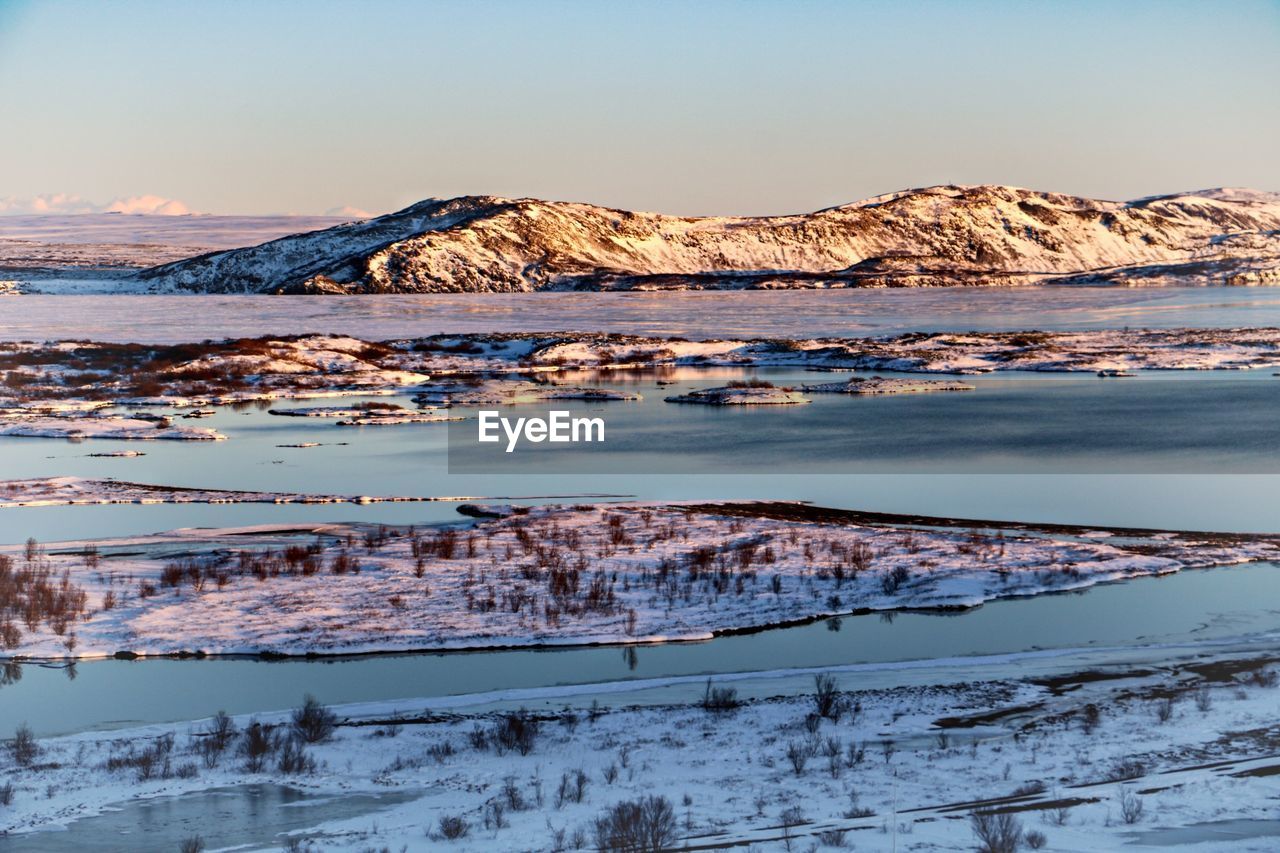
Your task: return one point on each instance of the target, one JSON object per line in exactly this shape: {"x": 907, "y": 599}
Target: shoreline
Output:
{"x": 891, "y": 742}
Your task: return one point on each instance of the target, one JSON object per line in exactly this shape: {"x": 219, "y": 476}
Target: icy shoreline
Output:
{"x": 1067, "y": 756}
{"x": 80, "y": 491}
{"x": 77, "y": 426}
{"x": 45, "y": 379}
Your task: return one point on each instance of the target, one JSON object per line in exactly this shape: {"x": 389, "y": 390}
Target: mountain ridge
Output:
{"x": 931, "y": 236}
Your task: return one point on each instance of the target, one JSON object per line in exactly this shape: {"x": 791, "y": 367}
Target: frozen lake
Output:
{"x": 795, "y": 313}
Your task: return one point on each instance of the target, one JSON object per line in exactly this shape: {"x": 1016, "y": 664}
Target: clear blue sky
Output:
{"x": 698, "y": 107}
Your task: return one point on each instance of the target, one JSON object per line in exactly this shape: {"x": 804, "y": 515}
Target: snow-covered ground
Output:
{"x": 1090, "y": 762}
{"x": 558, "y": 574}
{"x": 196, "y": 375}
{"x": 759, "y": 393}
{"x": 742, "y": 394}
{"x": 395, "y": 418}
{"x": 336, "y": 411}
{"x": 882, "y": 385}
{"x": 86, "y": 426}
{"x": 193, "y": 375}
{"x": 944, "y": 352}
{"x": 932, "y": 236}
{"x": 508, "y": 392}
{"x": 369, "y": 414}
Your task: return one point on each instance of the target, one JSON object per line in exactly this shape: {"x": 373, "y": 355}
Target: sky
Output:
{"x": 707, "y": 107}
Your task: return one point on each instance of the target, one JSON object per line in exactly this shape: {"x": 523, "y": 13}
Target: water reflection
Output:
{"x": 10, "y": 672}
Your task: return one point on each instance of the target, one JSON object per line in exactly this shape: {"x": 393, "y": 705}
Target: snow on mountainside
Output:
{"x": 946, "y": 235}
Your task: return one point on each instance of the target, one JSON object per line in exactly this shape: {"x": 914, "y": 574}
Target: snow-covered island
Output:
{"x": 507, "y": 392}
{"x": 384, "y": 418}
{"x": 80, "y": 491}
{"x": 369, "y": 414}
{"x": 761, "y": 393}
{"x": 193, "y": 376}
{"x": 873, "y": 385}
{"x": 75, "y": 377}
{"x": 742, "y": 393}
{"x": 555, "y": 574}
{"x": 80, "y": 426}
{"x": 923, "y": 352}
{"x": 360, "y": 411}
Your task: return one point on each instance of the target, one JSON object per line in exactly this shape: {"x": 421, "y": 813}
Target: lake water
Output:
{"x": 1195, "y": 451}
{"x": 796, "y": 313}
{"x": 1136, "y": 452}
{"x": 1137, "y": 621}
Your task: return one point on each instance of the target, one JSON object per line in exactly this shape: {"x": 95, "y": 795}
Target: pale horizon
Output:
{"x": 171, "y": 208}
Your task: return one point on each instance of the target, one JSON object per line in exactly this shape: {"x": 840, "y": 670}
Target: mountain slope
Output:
{"x": 936, "y": 236}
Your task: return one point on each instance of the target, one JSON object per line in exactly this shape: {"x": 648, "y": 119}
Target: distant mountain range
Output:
{"x": 936, "y": 236}
{"x": 99, "y": 243}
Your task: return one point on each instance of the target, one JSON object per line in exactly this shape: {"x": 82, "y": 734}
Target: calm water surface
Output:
{"x": 1132, "y": 621}
{"x": 1197, "y": 452}
{"x": 797, "y": 313}
{"x": 1138, "y": 452}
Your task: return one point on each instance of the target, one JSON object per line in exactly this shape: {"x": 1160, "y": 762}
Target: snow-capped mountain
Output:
{"x": 945, "y": 235}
